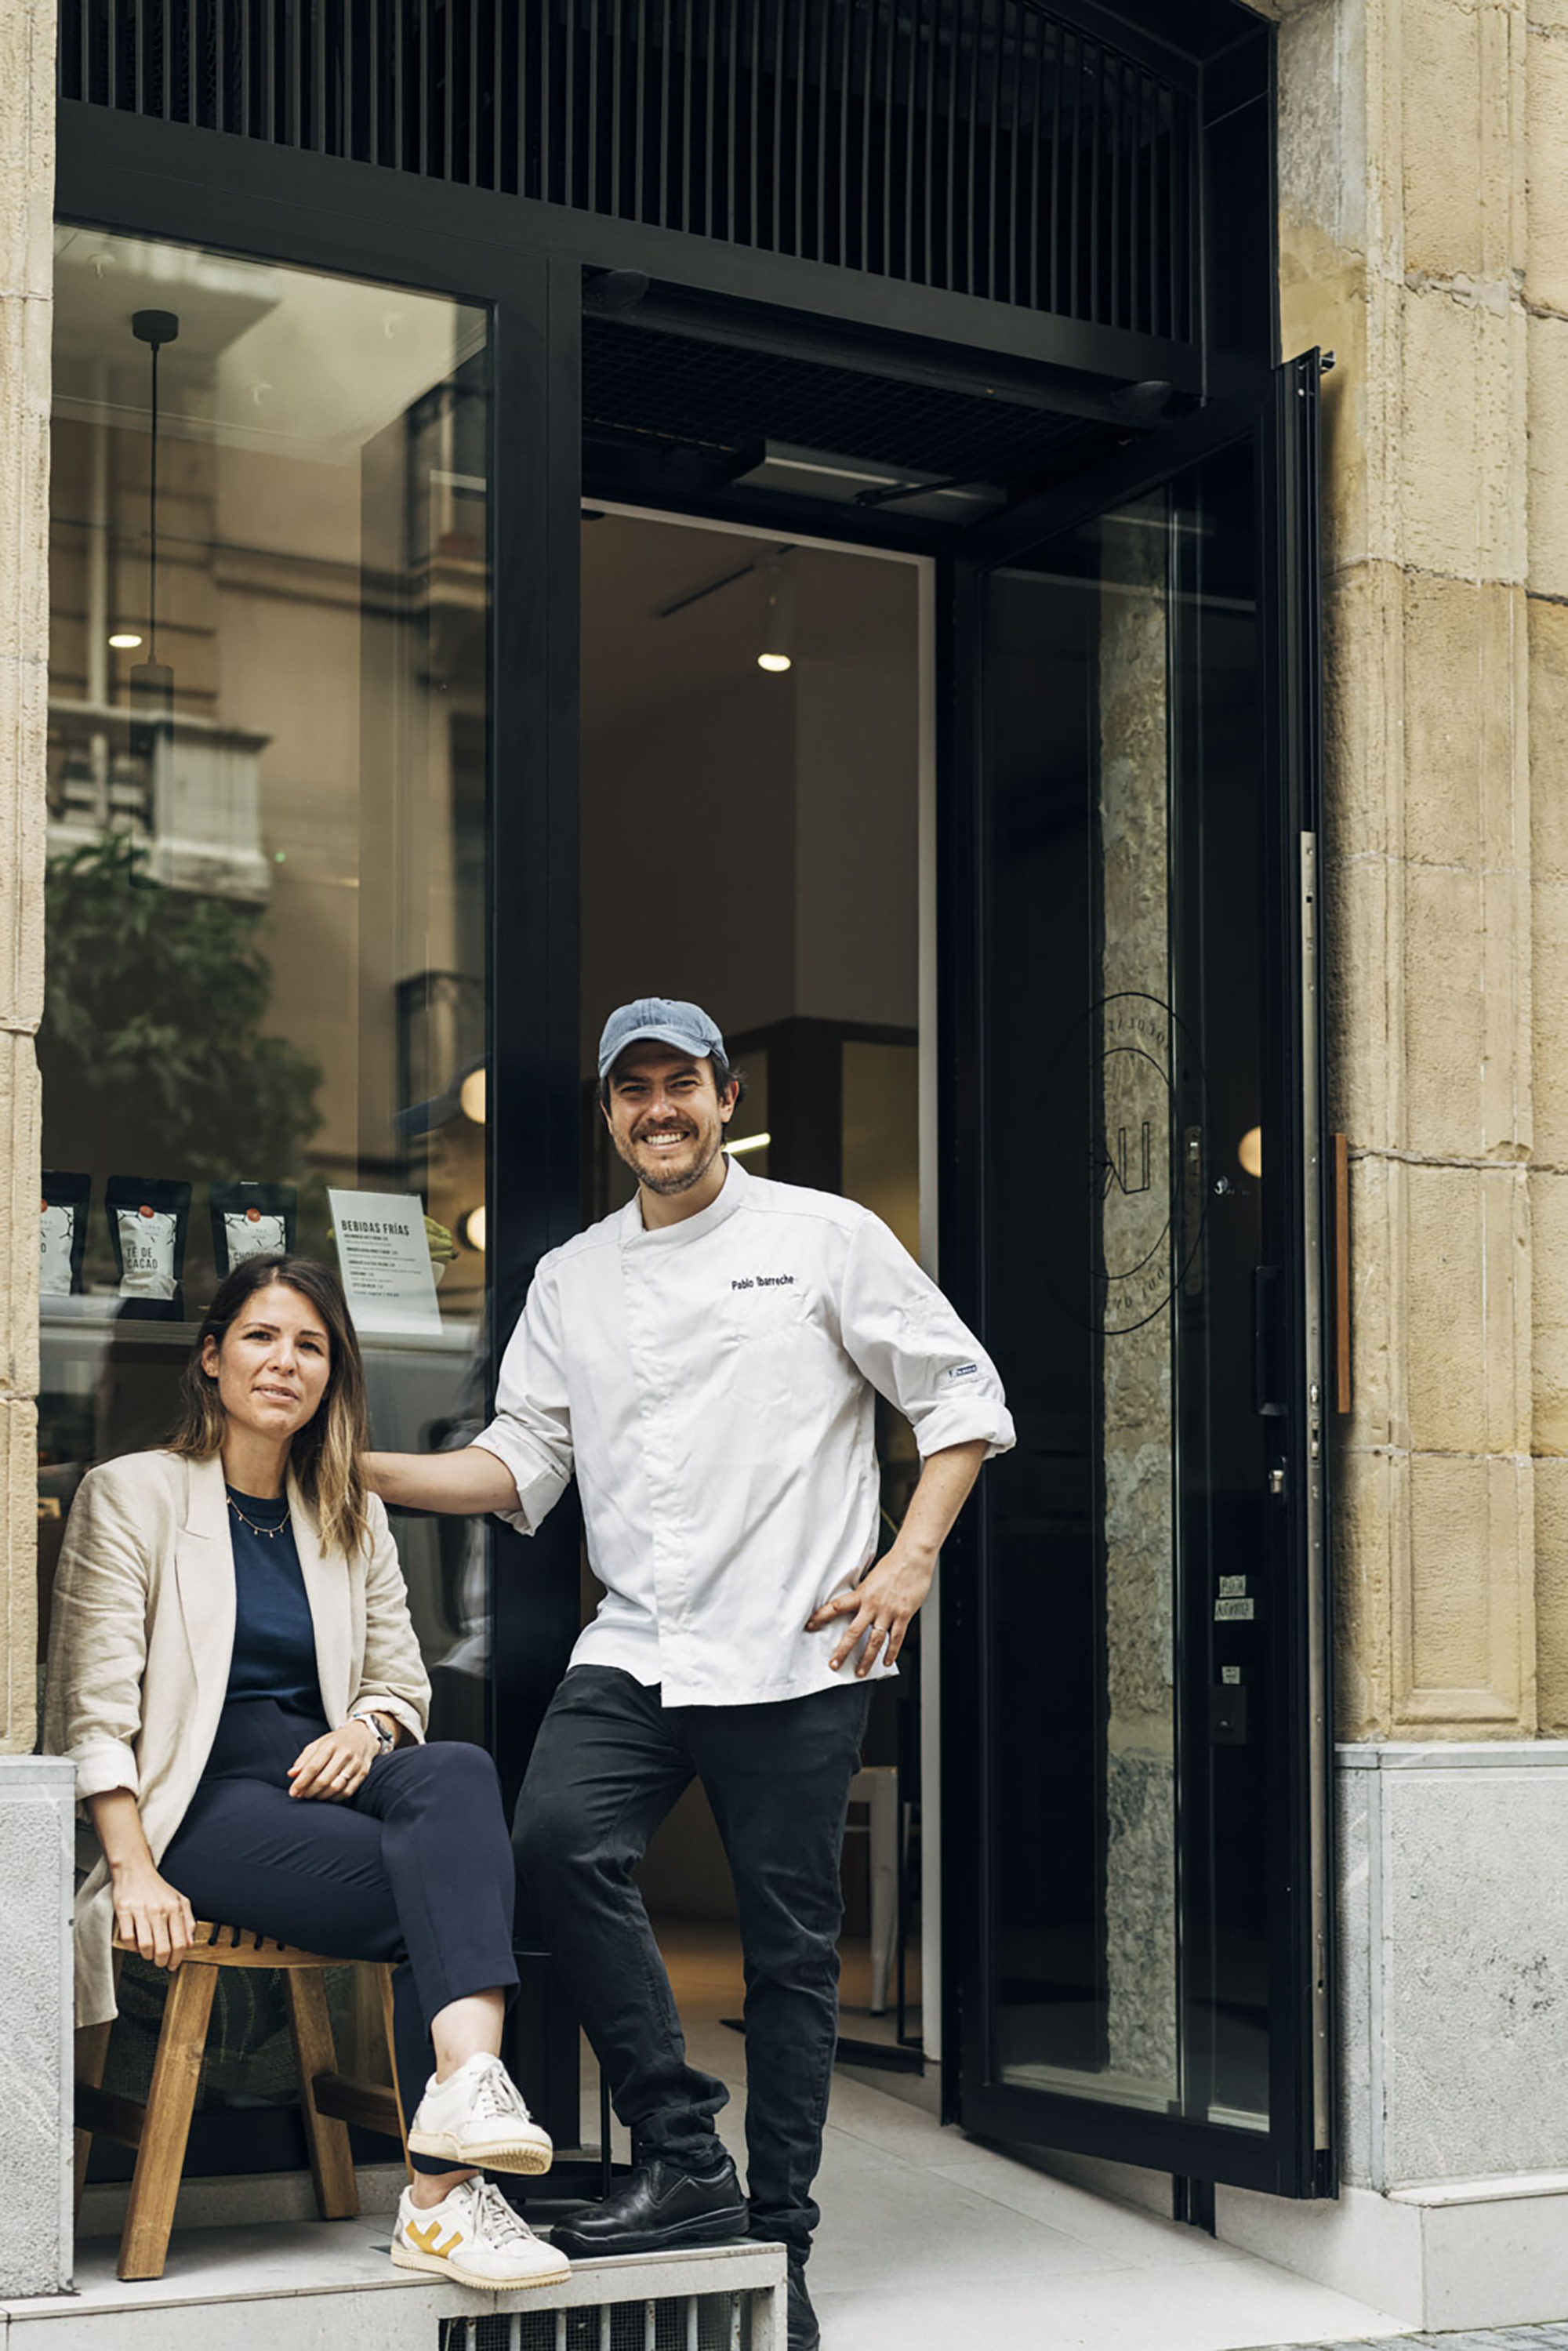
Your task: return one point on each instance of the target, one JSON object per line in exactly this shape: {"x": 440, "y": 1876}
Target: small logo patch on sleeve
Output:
{"x": 963, "y": 1372}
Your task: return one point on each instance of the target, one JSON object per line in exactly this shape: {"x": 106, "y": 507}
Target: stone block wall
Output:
{"x": 1424, "y": 223}
{"x": 26, "y": 224}
{"x": 38, "y": 1879}
{"x": 1453, "y": 2019}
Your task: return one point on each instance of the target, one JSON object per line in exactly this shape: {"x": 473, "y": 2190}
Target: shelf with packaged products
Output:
{"x": 78, "y": 1323}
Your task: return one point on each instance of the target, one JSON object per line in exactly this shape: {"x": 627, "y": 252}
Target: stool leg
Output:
{"x": 91, "y": 2056}
{"x": 384, "y": 1980}
{"x": 160, "y": 2158}
{"x": 331, "y": 2160}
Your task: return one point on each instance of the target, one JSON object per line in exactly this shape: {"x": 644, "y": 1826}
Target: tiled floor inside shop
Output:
{"x": 928, "y": 2243}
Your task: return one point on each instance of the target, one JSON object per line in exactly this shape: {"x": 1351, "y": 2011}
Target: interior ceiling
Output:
{"x": 633, "y": 662}
{"x": 701, "y": 409}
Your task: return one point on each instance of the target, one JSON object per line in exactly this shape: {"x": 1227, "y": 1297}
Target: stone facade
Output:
{"x": 1423, "y": 173}
{"x": 35, "y": 1797}
{"x": 27, "y": 220}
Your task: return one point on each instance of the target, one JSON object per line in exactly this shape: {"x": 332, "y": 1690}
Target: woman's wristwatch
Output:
{"x": 385, "y": 1740}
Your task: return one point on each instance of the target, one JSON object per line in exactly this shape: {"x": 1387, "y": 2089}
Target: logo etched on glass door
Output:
{"x": 1130, "y": 1056}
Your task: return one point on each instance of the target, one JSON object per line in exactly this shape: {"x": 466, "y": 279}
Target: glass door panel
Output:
{"x": 1078, "y": 942}
{"x": 1135, "y": 1981}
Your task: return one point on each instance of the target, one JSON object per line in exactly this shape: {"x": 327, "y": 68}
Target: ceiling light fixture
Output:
{"x": 748, "y": 1142}
{"x": 123, "y": 641}
{"x": 779, "y": 620}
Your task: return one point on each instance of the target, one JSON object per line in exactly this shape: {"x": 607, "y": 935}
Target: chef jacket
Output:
{"x": 711, "y": 1384}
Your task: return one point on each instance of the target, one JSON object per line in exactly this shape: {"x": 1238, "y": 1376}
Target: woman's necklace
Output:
{"x": 269, "y": 1531}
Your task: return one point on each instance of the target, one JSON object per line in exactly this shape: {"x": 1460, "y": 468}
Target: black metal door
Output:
{"x": 1135, "y": 1721}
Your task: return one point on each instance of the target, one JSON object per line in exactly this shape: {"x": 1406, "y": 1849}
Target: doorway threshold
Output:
{"x": 293, "y": 2287}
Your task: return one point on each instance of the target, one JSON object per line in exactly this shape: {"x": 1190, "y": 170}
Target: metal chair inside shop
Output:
{"x": 159, "y": 2131}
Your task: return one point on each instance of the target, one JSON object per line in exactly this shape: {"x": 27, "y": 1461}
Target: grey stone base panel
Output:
{"x": 1499, "y": 2338}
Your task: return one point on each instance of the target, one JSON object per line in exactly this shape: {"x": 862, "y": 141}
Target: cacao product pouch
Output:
{"x": 148, "y": 1216}
{"x": 250, "y": 1220}
{"x": 62, "y": 1232}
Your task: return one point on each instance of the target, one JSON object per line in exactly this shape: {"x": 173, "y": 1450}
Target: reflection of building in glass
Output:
{"x": 322, "y": 595}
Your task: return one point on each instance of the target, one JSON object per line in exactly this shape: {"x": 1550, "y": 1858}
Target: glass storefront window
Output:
{"x": 266, "y": 983}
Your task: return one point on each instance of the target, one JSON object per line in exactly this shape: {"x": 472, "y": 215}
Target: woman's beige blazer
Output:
{"x": 141, "y": 1640}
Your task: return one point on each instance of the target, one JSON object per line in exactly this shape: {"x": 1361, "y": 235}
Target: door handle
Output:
{"x": 1267, "y": 1301}
{"x": 1192, "y": 1201}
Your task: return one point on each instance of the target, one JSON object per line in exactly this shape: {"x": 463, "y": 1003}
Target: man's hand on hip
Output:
{"x": 879, "y": 1607}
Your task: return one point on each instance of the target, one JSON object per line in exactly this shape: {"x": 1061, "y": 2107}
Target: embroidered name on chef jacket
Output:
{"x": 764, "y": 1281}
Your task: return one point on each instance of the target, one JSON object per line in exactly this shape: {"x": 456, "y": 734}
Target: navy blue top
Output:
{"x": 274, "y": 1636}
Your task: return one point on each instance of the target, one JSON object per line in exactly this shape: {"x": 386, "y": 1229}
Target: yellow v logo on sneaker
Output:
{"x": 426, "y": 2238}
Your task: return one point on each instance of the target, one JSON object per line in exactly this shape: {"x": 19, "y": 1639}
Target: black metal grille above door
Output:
{"x": 993, "y": 148}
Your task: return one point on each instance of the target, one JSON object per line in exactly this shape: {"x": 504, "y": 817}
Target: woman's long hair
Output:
{"x": 324, "y": 1454}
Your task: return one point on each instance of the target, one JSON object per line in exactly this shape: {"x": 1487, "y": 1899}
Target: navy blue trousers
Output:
{"x": 414, "y": 1868}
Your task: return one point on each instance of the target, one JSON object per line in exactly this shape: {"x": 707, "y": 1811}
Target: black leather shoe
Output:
{"x": 658, "y": 2210}
{"x": 804, "y": 2334}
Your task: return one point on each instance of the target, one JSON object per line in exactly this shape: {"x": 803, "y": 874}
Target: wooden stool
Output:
{"x": 159, "y": 2130}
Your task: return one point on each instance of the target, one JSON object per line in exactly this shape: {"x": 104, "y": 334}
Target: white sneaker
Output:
{"x": 478, "y": 2116}
{"x": 474, "y": 2237}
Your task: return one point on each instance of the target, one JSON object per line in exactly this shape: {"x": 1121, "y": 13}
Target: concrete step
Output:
{"x": 316, "y": 2285}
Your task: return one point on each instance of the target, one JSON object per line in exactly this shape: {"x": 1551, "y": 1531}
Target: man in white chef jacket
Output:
{"x": 706, "y": 1362}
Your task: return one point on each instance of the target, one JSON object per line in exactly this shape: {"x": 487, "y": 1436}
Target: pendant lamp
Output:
{"x": 152, "y": 681}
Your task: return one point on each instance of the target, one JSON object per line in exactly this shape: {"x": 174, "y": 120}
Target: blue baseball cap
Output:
{"x": 659, "y": 1020}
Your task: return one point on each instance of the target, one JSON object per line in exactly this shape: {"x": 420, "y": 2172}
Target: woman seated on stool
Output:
{"x": 234, "y": 1673}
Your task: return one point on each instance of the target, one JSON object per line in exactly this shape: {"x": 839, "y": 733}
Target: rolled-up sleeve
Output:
{"x": 392, "y": 1680}
{"x": 901, "y": 1331}
{"x": 531, "y": 1432}
{"x": 98, "y": 1645}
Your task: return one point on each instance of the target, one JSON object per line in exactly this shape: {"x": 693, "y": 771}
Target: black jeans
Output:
{"x": 608, "y": 1765}
{"x": 415, "y": 1868}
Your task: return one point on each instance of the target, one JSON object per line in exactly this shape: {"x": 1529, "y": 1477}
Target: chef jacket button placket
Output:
{"x": 654, "y": 1396}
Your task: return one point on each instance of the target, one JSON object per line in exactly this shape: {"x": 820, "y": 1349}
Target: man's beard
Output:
{"x": 670, "y": 1186}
